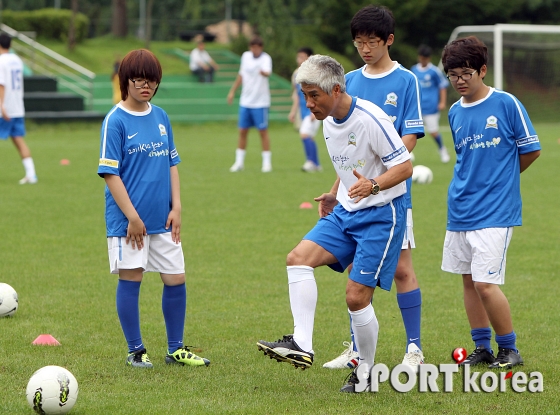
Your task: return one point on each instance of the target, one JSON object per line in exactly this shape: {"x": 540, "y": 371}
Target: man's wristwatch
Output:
{"x": 375, "y": 189}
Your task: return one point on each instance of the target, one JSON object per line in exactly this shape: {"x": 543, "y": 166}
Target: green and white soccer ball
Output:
{"x": 52, "y": 390}
{"x": 422, "y": 174}
{"x": 8, "y": 300}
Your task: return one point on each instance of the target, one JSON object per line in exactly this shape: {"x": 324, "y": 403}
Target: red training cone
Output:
{"x": 305, "y": 205}
{"x": 46, "y": 340}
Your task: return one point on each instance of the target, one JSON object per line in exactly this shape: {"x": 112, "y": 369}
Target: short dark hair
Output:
{"x": 257, "y": 40}
{"x": 140, "y": 63}
{"x": 425, "y": 51}
{"x": 468, "y": 52}
{"x": 306, "y": 50}
{"x": 5, "y": 40}
{"x": 373, "y": 21}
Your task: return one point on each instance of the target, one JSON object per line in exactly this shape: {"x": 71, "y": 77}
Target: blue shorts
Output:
{"x": 253, "y": 117}
{"x": 13, "y": 128}
{"x": 370, "y": 238}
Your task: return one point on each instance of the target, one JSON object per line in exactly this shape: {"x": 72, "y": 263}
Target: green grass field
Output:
{"x": 237, "y": 230}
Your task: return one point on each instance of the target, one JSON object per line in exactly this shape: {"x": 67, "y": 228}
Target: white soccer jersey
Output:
{"x": 255, "y": 91}
{"x": 138, "y": 147}
{"x": 367, "y": 141}
{"x": 397, "y": 93}
{"x": 11, "y": 76}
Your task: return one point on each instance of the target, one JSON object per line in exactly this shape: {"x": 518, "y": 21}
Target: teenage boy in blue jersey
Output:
{"x": 138, "y": 161}
{"x": 395, "y": 90}
{"x": 495, "y": 142}
{"x": 434, "y": 96}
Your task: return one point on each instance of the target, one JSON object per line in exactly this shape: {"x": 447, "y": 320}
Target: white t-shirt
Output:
{"x": 11, "y": 76}
{"x": 367, "y": 141}
{"x": 197, "y": 56}
{"x": 255, "y": 92}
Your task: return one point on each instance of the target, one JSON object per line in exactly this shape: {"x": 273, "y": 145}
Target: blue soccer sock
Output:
{"x": 174, "y": 307}
{"x": 314, "y": 156}
{"x": 482, "y": 337}
{"x": 439, "y": 141}
{"x": 410, "y": 304}
{"x": 306, "y": 148}
{"x": 507, "y": 341}
{"x": 128, "y": 294}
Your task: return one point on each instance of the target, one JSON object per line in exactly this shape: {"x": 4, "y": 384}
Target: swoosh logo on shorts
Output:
{"x": 366, "y": 273}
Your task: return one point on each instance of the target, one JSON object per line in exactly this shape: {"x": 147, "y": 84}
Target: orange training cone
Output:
{"x": 305, "y": 205}
{"x": 46, "y": 340}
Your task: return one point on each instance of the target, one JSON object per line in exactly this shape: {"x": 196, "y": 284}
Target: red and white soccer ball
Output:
{"x": 8, "y": 300}
{"x": 52, "y": 390}
{"x": 422, "y": 174}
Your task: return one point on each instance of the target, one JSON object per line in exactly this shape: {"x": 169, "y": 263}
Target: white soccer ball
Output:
{"x": 422, "y": 174}
{"x": 8, "y": 300}
{"x": 52, "y": 390}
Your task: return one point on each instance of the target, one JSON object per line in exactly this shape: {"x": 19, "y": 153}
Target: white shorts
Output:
{"x": 160, "y": 254}
{"x": 408, "y": 240}
{"x": 431, "y": 123}
{"x": 309, "y": 127}
{"x": 481, "y": 253}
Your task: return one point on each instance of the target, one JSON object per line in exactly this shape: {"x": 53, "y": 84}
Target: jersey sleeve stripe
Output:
{"x": 379, "y": 124}
{"x": 105, "y": 127}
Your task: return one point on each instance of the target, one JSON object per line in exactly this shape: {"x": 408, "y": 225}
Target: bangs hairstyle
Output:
{"x": 139, "y": 63}
{"x": 468, "y": 52}
{"x": 373, "y": 21}
{"x": 322, "y": 71}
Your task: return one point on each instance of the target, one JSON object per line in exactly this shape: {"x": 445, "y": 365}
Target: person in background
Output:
{"x": 433, "y": 85}
{"x": 12, "y": 122}
{"x": 309, "y": 125}
{"x": 201, "y": 63}
{"x": 254, "y": 103}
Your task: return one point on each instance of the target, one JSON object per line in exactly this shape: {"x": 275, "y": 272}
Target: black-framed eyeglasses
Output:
{"x": 372, "y": 44}
{"x": 141, "y": 83}
{"x": 464, "y": 77}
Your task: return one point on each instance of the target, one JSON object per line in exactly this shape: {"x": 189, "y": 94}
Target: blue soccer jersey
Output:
{"x": 489, "y": 135}
{"x": 138, "y": 147}
{"x": 431, "y": 81}
{"x": 397, "y": 93}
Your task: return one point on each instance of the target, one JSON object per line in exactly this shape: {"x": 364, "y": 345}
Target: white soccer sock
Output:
{"x": 366, "y": 330}
{"x": 303, "y": 300}
{"x": 29, "y": 167}
{"x": 240, "y": 156}
{"x": 266, "y": 156}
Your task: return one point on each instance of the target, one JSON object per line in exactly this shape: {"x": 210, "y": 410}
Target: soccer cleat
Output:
{"x": 413, "y": 357}
{"x": 348, "y": 359}
{"x": 506, "y": 359}
{"x": 183, "y": 356}
{"x": 444, "y": 155}
{"x": 139, "y": 359}
{"x": 286, "y": 350}
{"x": 236, "y": 167}
{"x": 479, "y": 356}
{"x": 28, "y": 180}
{"x": 266, "y": 168}
{"x": 351, "y": 381}
{"x": 309, "y": 167}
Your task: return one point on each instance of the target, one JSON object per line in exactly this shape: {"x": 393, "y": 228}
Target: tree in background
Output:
{"x": 119, "y": 26}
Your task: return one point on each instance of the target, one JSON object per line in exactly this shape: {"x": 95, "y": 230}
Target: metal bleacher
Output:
{"x": 44, "y": 100}
{"x": 187, "y": 100}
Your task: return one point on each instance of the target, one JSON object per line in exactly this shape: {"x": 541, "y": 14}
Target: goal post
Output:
{"x": 524, "y": 60}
